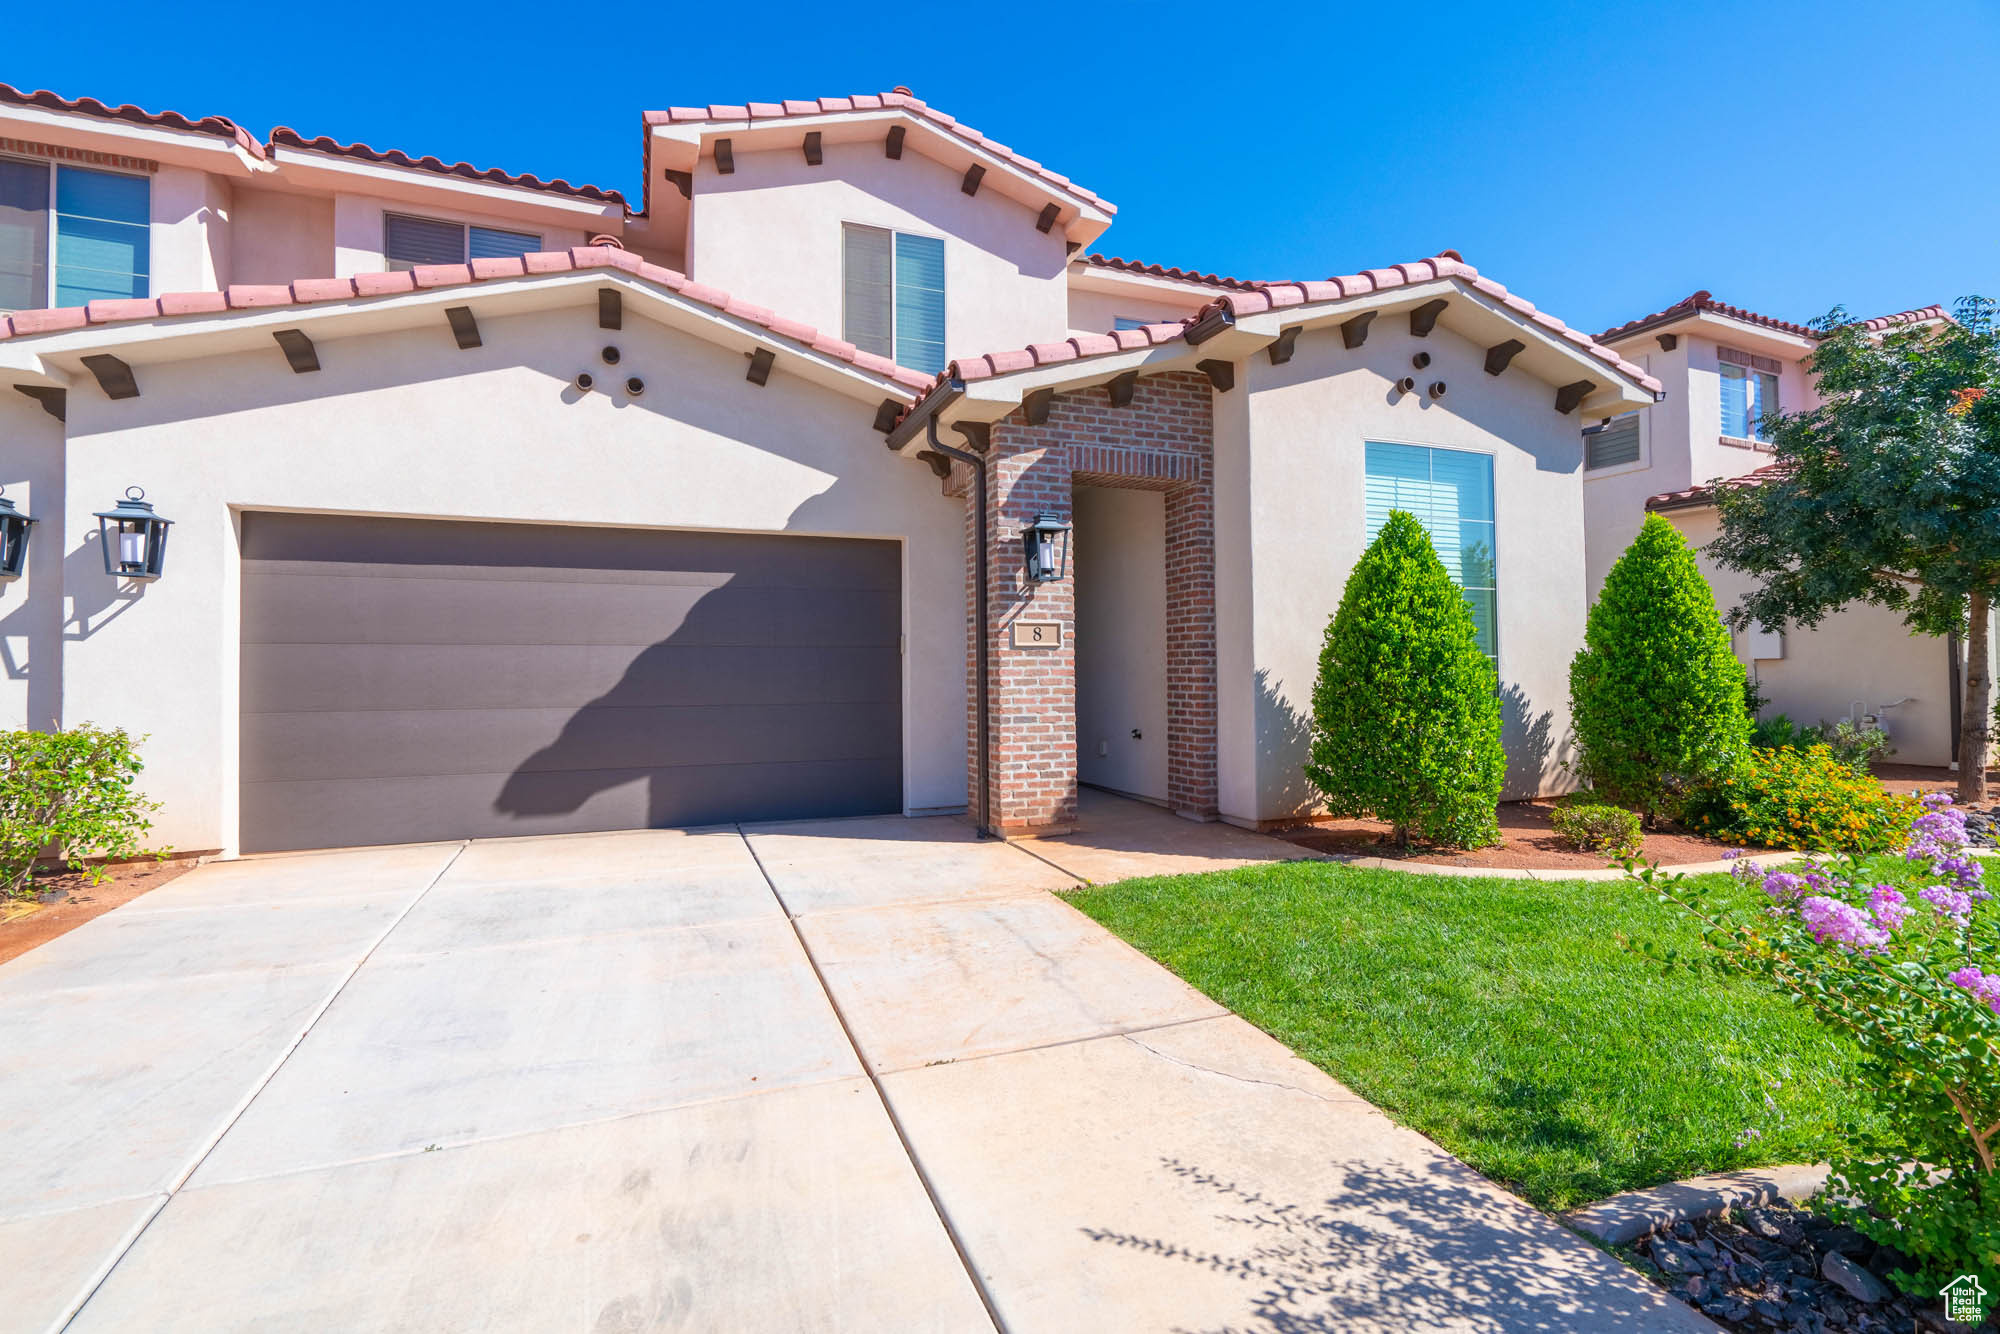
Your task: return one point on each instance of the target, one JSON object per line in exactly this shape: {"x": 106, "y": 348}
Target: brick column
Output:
{"x": 1161, "y": 442}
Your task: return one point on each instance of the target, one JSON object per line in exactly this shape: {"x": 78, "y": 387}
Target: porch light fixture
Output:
{"x": 134, "y": 538}
{"x": 1046, "y": 541}
{"x": 14, "y": 527}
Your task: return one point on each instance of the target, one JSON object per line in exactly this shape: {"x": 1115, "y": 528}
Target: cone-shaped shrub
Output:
{"x": 1656, "y": 695}
{"x": 1406, "y": 715}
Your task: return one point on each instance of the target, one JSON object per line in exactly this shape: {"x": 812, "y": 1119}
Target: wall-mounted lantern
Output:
{"x": 134, "y": 537}
{"x": 1047, "y": 547}
{"x": 14, "y": 527}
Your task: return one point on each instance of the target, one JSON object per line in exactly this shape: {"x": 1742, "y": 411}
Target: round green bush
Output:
{"x": 1406, "y": 709}
{"x": 1656, "y": 694}
{"x": 1590, "y": 826}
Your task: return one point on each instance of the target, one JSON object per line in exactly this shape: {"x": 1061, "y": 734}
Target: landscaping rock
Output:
{"x": 1857, "y": 1282}
{"x": 1773, "y": 1266}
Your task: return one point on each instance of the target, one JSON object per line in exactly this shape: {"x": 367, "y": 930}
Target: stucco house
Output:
{"x": 503, "y": 505}
{"x": 1724, "y": 368}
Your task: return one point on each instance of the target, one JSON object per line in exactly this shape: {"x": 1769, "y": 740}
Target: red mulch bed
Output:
{"x": 64, "y": 902}
{"x": 1528, "y": 843}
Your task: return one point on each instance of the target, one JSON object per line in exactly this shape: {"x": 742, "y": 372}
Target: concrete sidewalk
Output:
{"x": 850, "y": 1075}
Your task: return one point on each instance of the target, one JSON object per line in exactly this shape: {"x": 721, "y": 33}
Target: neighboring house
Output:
{"x": 500, "y": 506}
{"x": 1724, "y": 369}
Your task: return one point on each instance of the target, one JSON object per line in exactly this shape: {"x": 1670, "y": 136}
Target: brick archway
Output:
{"x": 1162, "y": 441}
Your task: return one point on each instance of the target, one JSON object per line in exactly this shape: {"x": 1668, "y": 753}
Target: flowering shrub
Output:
{"x": 1801, "y": 798}
{"x": 71, "y": 793}
{"x": 1914, "y": 979}
{"x": 1594, "y": 827}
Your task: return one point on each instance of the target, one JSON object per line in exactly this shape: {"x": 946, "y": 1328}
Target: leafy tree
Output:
{"x": 1887, "y": 493}
{"x": 1656, "y": 694}
{"x": 1406, "y": 710}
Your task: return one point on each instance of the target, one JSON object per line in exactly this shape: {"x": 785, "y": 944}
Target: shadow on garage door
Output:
{"x": 406, "y": 680}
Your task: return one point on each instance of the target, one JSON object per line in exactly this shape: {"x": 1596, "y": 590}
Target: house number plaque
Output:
{"x": 1038, "y": 634}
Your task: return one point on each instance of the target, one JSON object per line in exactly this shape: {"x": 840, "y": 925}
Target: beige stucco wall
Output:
{"x": 32, "y": 607}
{"x": 1099, "y": 312}
{"x": 407, "y": 424}
{"x": 190, "y": 236}
{"x": 770, "y": 232}
{"x": 1614, "y": 499}
{"x": 280, "y": 236}
{"x": 1863, "y": 656}
{"x": 1291, "y": 522}
{"x": 1119, "y": 564}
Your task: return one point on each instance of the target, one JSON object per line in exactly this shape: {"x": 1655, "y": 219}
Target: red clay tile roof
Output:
{"x": 1174, "y": 275}
{"x": 425, "y": 277}
{"x": 220, "y": 126}
{"x": 1277, "y": 295}
{"x": 286, "y": 137}
{"x": 1699, "y": 303}
{"x": 1705, "y": 493}
{"x": 899, "y": 98}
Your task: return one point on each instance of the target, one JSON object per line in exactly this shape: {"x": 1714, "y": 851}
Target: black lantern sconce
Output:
{"x": 134, "y": 538}
{"x": 14, "y": 527}
{"x": 1046, "y": 541}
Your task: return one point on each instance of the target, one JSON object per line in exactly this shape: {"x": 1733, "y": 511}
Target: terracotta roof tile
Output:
{"x": 1157, "y": 271}
{"x": 1703, "y": 494}
{"x": 306, "y": 291}
{"x": 220, "y": 126}
{"x": 901, "y": 100}
{"x": 1703, "y": 302}
{"x": 286, "y": 137}
{"x": 1246, "y": 298}
{"x": 1906, "y": 317}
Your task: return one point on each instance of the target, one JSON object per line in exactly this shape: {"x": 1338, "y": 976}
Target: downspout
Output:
{"x": 926, "y": 410}
{"x": 982, "y": 646}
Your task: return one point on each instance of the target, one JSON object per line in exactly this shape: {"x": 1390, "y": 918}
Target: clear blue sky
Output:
{"x": 1603, "y": 160}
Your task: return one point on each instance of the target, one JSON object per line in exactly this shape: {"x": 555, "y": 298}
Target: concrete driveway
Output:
{"x": 854, "y": 1075}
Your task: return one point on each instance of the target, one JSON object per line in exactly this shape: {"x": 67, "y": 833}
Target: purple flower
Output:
{"x": 1732, "y": 854}
{"x": 1835, "y": 923}
{"x": 1783, "y": 887}
{"x": 1948, "y": 902}
{"x": 1888, "y": 906}
{"x": 1985, "y": 988}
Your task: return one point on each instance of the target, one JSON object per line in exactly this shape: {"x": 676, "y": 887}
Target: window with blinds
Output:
{"x": 409, "y": 241}
{"x": 892, "y": 295}
{"x": 69, "y": 235}
{"x": 1449, "y": 492}
{"x": 1749, "y": 392}
{"x": 1124, "y": 322}
{"x": 1614, "y": 444}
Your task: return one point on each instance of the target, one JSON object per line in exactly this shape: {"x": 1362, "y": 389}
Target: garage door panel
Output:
{"x": 308, "y": 609}
{"x": 405, "y": 810}
{"x": 389, "y": 743}
{"x": 415, "y": 679}
{"x": 333, "y": 677}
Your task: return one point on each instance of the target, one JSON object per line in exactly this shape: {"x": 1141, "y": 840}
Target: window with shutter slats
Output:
{"x": 491, "y": 243}
{"x": 1615, "y": 445}
{"x": 24, "y": 235}
{"x": 408, "y": 242}
{"x": 1449, "y": 492}
{"x": 920, "y": 302}
{"x": 868, "y": 290}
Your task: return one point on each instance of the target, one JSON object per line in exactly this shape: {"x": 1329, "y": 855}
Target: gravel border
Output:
{"x": 1622, "y": 1219}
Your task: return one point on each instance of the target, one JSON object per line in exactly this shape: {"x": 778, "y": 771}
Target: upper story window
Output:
{"x": 1749, "y": 392}
{"x": 409, "y": 241}
{"x": 70, "y": 234}
{"x": 1450, "y": 491}
{"x": 892, "y": 292}
{"x": 1613, "y": 444}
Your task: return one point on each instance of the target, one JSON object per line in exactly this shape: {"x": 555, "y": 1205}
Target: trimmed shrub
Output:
{"x": 1406, "y": 710}
{"x": 71, "y": 793}
{"x": 1590, "y": 826}
{"x": 1778, "y": 732}
{"x": 1656, "y": 694}
{"x": 1802, "y": 797}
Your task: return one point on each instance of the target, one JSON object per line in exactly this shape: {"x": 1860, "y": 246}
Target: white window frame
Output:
{"x": 464, "y": 225}
{"x": 49, "y": 257}
{"x": 1492, "y": 457}
{"x": 1726, "y": 359}
{"x": 893, "y": 233}
{"x": 1640, "y": 464}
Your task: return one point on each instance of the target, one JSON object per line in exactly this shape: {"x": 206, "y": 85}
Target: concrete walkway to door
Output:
{"x": 848, "y": 1075}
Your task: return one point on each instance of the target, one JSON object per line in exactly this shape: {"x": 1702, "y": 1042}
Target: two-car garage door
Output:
{"x": 407, "y": 680}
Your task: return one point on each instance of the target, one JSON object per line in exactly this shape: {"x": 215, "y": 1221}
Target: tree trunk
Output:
{"x": 1976, "y": 718}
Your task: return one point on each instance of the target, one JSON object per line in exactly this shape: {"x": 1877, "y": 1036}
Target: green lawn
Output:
{"x": 1503, "y": 1019}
